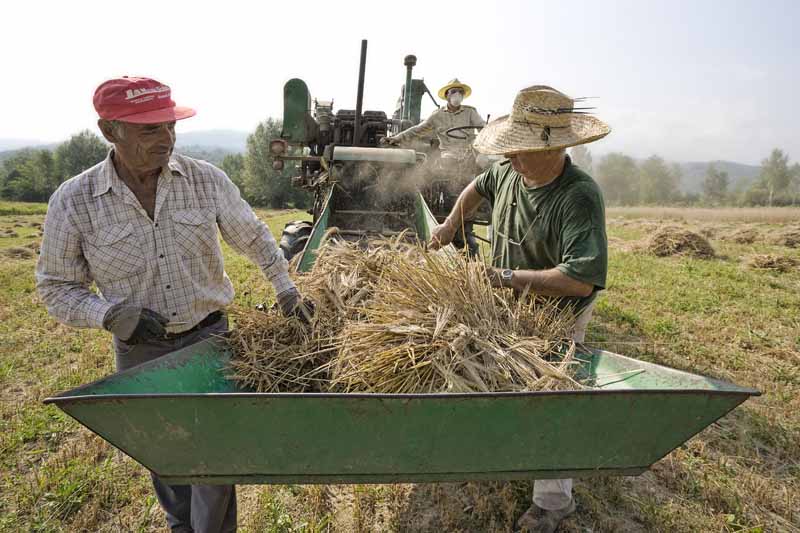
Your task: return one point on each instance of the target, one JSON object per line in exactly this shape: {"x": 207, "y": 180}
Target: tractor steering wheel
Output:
{"x": 458, "y": 129}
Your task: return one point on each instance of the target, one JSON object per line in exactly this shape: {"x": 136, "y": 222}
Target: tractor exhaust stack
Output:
{"x": 360, "y": 97}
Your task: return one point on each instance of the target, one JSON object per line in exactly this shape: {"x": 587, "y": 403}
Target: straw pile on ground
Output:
{"x": 398, "y": 319}
{"x": 776, "y": 263}
{"x": 671, "y": 241}
{"x": 742, "y": 236}
{"x": 789, "y": 237}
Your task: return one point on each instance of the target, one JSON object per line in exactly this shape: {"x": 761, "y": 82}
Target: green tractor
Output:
{"x": 362, "y": 189}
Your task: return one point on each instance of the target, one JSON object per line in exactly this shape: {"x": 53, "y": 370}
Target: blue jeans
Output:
{"x": 189, "y": 508}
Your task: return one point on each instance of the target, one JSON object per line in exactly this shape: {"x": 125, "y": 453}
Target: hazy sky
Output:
{"x": 688, "y": 80}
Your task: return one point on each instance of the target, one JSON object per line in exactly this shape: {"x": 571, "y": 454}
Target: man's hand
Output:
{"x": 133, "y": 324}
{"x": 390, "y": 141}
{"x": 442, "y": 235}
{"x": 494, "y": 277}
{"x": 291, "y": 303}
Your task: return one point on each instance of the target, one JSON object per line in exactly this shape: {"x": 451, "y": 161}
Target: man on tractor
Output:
{"x": 453, "y": 126}
{"x": 453, "y": 115}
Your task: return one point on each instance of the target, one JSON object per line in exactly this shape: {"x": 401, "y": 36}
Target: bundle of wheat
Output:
{"x": 677, "y": 241}
{"x": 437, "y": 325}
{"x": 396, "y": 319}
{"x": 777, "y": 263}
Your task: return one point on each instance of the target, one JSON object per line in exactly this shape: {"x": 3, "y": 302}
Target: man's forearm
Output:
{"x": 550, "y": 282}
{"x": 466, "y": 206}
{"x": 72, "y": 303}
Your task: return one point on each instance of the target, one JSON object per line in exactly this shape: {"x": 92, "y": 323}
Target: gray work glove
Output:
{"x": 291, "y": 303}
{"x": 133, "y": 324}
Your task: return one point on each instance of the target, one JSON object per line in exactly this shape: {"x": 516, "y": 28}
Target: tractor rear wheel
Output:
{"x": 294, "y": 238}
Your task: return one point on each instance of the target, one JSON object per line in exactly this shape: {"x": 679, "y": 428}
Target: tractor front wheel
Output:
{"x": 294, "y": 238}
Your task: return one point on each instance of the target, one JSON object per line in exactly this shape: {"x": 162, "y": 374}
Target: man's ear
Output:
{"x": 107, "y": 129}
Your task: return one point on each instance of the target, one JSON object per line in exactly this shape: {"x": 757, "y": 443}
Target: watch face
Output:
{"x": 507, "y": 274}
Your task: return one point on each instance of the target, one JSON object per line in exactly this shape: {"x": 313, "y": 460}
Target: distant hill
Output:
{"x": 11, "y": 144}
{"x": 740, "y": 175}
{"x": 228, "y": 140}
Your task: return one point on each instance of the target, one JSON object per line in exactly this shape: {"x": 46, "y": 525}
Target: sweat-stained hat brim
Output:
{"x": 503, "y": 136}
{"x": 157, "y": 116}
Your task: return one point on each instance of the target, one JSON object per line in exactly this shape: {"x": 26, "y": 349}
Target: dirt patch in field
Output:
{"x": 36, "y": 246}
{"x": 672, "y": 241}
{"x": 774, "y": 262}
{"x": 18, "y": 252}
{"x": 8, "y": 233}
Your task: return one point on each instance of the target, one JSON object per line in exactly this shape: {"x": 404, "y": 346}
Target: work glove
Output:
{"x": 133, "y": 324}
{"x": 291, "y": 303}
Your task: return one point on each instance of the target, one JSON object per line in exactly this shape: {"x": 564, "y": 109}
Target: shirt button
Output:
{"x": 156, "y": 224}
{"x": 161, "y": 256}
{"x": 169, "y": 286}
{"x": 174, "y": 314}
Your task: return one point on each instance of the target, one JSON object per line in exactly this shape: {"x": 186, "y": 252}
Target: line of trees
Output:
{"x": 625, "y": 181}
{"x": 32, "y": 175}
{"x": 252, "y": 172}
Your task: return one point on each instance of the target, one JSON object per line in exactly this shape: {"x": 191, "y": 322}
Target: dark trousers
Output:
{"x": 189, "y": 508}
{"x": 466, "y": 239}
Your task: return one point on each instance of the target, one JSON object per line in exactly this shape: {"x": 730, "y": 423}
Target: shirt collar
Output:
{"x": 108, "y": 178}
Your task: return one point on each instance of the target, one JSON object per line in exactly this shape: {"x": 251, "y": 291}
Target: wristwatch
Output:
{"x": 506, "y": 275}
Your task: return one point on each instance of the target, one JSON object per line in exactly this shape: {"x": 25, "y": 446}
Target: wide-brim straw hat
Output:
{"x": 454, "y": 83}
{"x": 542, "y": 119}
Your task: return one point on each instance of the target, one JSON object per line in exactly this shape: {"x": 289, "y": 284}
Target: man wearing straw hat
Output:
{"x": 548, "y": 221}
{"x": 453, "y": 115}
{"x": 142, "y": 226}
{"x": 456, "y": 163}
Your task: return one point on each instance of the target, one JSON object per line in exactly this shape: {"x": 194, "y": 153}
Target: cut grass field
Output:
{"x": 721, "y": 317}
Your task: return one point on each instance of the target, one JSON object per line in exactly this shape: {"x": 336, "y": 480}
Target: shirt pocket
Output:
{"x": 114, "y": 253}
{"x": 195, "y": 232}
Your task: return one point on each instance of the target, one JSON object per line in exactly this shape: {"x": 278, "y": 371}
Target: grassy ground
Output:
{"x": 717, "y": 317}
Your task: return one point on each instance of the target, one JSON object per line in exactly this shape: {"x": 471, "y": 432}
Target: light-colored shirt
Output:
{"x": 97, "y": 231}
{"x": 442, "y": 120}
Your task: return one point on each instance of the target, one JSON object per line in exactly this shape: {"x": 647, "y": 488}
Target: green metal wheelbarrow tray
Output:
{"x": 182, "y": 418}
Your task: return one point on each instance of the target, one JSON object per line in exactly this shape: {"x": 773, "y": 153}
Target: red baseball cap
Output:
{"x": 138, "y": 100}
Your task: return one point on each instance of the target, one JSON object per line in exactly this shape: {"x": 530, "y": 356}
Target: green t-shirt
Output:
{"x": 561, "y": 225}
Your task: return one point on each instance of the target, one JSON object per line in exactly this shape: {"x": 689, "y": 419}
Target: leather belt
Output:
{"x": 209, "y": 320}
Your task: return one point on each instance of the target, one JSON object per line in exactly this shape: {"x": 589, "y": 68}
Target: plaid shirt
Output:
{"x": 97, "y": 231}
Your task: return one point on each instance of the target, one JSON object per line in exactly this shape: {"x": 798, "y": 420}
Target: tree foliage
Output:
{"x": 715, "y": 185}
{"x": 263, "y": 185}
{"x": 776, "y": 177}
{"x": 233, "y": 166}
{"x": 82, "y": 151}
{"x": 658, "y": 181}
{"x": 33, "y": 175}
{"x": 618, "y": 176}
{"x": 582, "y": 157}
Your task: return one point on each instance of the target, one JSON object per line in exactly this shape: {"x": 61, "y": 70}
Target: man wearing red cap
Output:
{"x": 142, "y": 225}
